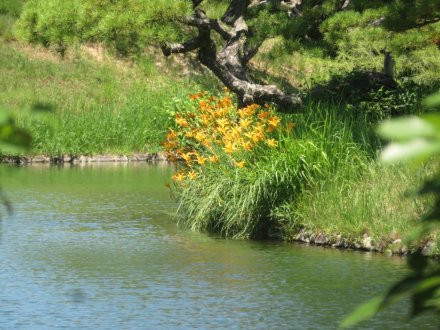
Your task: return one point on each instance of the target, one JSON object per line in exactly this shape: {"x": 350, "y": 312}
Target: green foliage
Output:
{"x": 98, "y": 107}
{"x": 324, "y": 34}
{"x": 126, "y": 26}
{"x": 13, "y": 139}
{"x": 368, "y": 97}
{"x": 414, "y": 139}
{"x": 243, "y": 203}
{"x": 238, "y": 203}
{"x": 356, "y": 38}
{"x": 306, "y": 26}
{"x": 407, "y": 14}
{"x": 9, "y": 12}
{"x": 352, "y": 203}
{"x": 11, "y": 7}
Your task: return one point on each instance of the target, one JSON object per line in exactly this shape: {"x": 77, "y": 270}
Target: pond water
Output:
{"x": 95, "y": 247}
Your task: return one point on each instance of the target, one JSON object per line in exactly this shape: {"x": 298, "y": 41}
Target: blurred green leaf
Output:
{"x": 432, "y": 101}
{"x": 405, "y": 129}
{"x": 431, "y": 282}
{"x": 434, "y": 120}
{"x": 13, "y": 140}
{"x": 415, "y": 138}
{"x": 10, "y": 149}
{"x": 363, "y": 312}
{"x": 419, "y": 232}
{"x": 431, "y": 186}
{"x": 418, "y": 149}
{"x": 5, "y": 116}
{"x": 417, "y": 261}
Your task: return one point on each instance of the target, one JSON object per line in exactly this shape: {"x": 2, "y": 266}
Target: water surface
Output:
{"x": 95, "y": 247}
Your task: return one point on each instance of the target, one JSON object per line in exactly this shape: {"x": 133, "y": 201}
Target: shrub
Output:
{"x": 11, "y": 7}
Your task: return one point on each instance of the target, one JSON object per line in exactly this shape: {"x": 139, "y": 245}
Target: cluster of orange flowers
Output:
{"x": 217, "y": 132}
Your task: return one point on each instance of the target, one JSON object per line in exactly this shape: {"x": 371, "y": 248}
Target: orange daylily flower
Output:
{"x": 192, "y": 175}
{"x": 179, "y": 177}
{"x": 187, "y": 157}
{"x": 247, "y": 146}
{"x": 190, "y": 134}
{"x": 263, "y": 115}
{"x": 203, "y": 105}
{"x": 170, "y": 144}
{"x": 240, "y": 164}
{"x": 201, "y": 160}
{"x": 259, "y": 128}
{"x": 225, "y": 102}
{"x": 207, "y": 144}
{"x": 274, "y": 121}
{"x": 229, "y": 148}
{"x": 256, "y": 136}
{"x": 213, "y": 159}
{"x": 200, "y": 136}
{"x": 221, "y": 130}
{"x": 222, "y": 122}
{"x": 171, "y": 135}
{"x": 245, "y": 122}
{"x": 181, "y": 122}
{"x": 242, "y": 112}
{"x": 271, "y": 143}
{"x": 205, "y": 119}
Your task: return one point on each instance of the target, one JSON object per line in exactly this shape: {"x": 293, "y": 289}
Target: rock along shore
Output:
{"x": 364, "y": 243}
{"x": 73, "y": 159}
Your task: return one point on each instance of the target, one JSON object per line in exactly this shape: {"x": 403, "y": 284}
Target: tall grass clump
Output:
{"x": 241, "y": 165}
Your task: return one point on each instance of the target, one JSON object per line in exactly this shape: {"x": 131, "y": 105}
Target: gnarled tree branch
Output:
{"x": 196, "y": 3}
{"x": 229, "y": 62}
{"x": 175, "y": 48}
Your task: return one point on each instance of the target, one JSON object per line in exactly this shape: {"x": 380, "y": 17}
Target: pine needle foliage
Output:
{"x": 126, "y": 26}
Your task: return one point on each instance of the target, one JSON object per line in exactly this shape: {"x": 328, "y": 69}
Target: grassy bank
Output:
{"x": 97, "y": 106}
{"x": 321, "y": 179}
{"x": 93, "y": 102}
{"x": 373, "y": 209}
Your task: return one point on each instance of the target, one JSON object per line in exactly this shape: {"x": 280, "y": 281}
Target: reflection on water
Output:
{"x": 95, "y": 247}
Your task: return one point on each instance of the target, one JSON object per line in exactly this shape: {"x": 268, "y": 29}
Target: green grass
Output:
{"x": 375, "y": 202}
{"x": 11, "y": 7}
{"x": 241, "y": 202}
{"x": 98, "y": 107}
{"x": 324, "y": 179}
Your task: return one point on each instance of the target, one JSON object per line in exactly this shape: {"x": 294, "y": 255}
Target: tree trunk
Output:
{"x": 229, "y": 63}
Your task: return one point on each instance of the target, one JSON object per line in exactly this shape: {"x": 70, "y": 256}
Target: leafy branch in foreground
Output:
{"x": 13, "y": 139}
{"x": 413, "y": 139}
